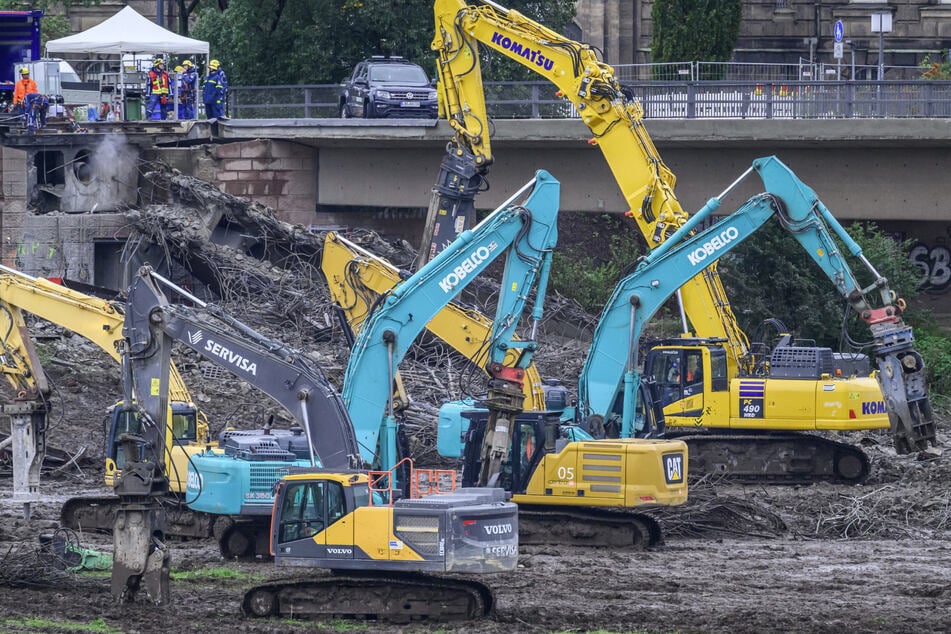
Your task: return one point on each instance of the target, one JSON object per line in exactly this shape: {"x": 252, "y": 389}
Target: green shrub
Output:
{"x": 597, "y": 252}
{"x": 936, "y": 351}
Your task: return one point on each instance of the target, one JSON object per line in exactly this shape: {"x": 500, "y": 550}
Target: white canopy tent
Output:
{"x": 127, "y": 32}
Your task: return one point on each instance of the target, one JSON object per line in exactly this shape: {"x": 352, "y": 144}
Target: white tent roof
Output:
{"x": 126, "y": 32}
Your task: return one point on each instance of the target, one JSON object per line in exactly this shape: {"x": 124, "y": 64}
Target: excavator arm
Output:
{"x": 611, "y": 366}
{"x": 151, "y": 325}
{"x": 613, "y": 116}
{"x": 267, "y": 364}
{"x": 527, "y": 234}
{"x": 357, "y": 278}
{"x": 29, "y": 408}
{"x": 98, "y": 320}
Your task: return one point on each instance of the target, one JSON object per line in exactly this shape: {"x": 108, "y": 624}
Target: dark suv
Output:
{"x": 388, "y": 87}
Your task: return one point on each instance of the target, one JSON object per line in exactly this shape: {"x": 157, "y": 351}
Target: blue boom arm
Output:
{"x": 526, "y": 233}
{"x": 610, "y": 368}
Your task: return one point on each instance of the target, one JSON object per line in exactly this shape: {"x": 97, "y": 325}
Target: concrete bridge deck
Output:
{"x": 862, "y": 168}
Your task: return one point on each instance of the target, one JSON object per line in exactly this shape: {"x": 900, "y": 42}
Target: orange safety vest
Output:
{"x": 158, "y": 82}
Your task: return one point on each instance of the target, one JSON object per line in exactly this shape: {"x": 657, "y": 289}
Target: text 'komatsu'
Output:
{"x": 530, "y": 54}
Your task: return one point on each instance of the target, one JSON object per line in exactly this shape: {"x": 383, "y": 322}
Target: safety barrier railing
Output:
{"x": 804, "y": 70}
{"x": 780, "y": 99}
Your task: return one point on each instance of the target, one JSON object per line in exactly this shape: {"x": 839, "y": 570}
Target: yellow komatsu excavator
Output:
{"x": 615, "y": 120}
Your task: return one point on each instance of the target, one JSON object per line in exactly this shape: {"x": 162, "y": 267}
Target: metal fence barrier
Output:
{"x": 780, "y": 99}
{"x": 804, "y": 70}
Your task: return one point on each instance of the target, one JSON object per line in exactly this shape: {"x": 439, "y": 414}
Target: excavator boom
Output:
{"x": 526, "y": 233}
{"x": 98, "y": 320}
{"x": 357, "y": 278}
{"x": 610, "y": 377}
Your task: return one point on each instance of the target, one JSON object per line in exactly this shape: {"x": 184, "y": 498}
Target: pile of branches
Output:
{"x": 890, "y": 511}
{"x": 709, "y": 512}
{"x": 30, "y": 564}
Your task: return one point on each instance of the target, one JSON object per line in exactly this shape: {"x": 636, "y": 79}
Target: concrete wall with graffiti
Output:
{"x": 930, "y": 252}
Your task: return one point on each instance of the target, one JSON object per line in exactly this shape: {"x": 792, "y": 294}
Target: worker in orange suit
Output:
{"x": 24, "y": 87}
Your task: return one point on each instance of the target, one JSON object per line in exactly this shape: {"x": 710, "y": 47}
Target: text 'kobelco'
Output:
{"x": 713, "y": 245}
{"x": 477, "y": 257}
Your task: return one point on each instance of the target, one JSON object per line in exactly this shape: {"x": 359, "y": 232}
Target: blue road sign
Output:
{"x": 838, "y": 31}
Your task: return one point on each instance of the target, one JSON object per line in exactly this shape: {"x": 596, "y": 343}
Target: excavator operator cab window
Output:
{"x": 525, "y": 443}
{"x": 693, "y": 372}
{"x": 361, "y": 496}
{"x": 666, "y": 368}
{"x": 184, "y": 426}
{"x": 122, "y": 422}
{"x": 719, "y": 381}
{"x": 303, "y": 511}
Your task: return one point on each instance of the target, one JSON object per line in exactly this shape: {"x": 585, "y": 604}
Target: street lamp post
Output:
{"x": 881, "y": 24}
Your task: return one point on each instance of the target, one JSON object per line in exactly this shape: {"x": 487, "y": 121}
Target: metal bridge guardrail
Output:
{"x": 659, "y": 99}
{"x": 804, "y": 70}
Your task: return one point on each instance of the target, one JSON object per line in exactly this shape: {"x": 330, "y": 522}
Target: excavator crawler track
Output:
{"x": 791, "y": 458}
{"x": 399, "y": 597}
{"x": 587, "y": 526}
{"x": 97, "y": 514}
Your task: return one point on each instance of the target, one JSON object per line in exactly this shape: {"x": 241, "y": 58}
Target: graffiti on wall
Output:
{"x": 38, "y": 257}
{"x": 934, "y": 262}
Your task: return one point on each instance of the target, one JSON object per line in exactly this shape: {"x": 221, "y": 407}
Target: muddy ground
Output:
{"x": 716, "y": 584}
{"x": 821, "y": 558}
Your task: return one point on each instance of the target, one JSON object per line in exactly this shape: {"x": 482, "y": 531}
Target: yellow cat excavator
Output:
{"x": 583, "y": 492}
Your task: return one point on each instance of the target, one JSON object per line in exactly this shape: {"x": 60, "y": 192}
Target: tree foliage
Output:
{"x": 688, "y": 30}
{"x": 268, "y": 42}
{"x": 771, "y": 276}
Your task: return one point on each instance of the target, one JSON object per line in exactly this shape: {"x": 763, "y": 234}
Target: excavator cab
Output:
{"x": 535, "y": 434}
{"x": 326, "y": 519}
{"x": 120, "y": 420}
{"x": 308, "y": 508}
{"x": 687, "y": 374}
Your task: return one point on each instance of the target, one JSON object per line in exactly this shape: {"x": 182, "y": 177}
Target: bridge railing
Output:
{"x": 804, "y": 70}
{"x": 660, "y": 100}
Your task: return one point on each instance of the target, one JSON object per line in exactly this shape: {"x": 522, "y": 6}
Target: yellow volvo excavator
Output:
{"x": 615, "y": 120}
{"x": 325, "y": 516}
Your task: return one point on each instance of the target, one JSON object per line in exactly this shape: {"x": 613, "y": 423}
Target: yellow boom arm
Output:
{"x": 615, "y": 120}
